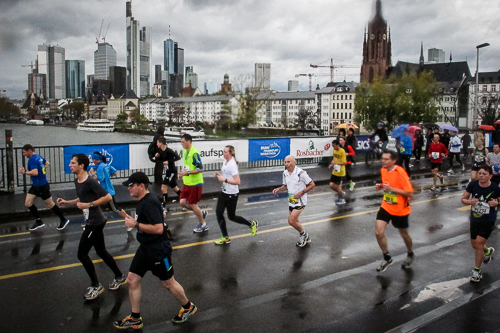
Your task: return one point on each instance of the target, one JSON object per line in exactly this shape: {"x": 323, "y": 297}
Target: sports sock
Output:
{"x": 187, "y": 305}
{"x": 303, "y": 233}
{"x": 487, "y": 253}
{"x": 135, "y": 315}
{"x": 59, "y": 213}
{"x": 165, "y": 197}
{"x": 387, "y": 257}
{"x": 34, "y": 211}
{"x": 411, "y": 254}
{"x": 178, "y": 192}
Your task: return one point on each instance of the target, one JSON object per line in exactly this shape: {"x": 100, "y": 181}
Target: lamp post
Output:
{"x": 477, "y": 78}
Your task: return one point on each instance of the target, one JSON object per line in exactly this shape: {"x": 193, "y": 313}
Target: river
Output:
{"x": 60, "y": 136}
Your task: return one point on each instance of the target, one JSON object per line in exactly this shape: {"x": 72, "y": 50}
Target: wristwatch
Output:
{"x": 91, "y": 204}
{"x": 188, "y": 173}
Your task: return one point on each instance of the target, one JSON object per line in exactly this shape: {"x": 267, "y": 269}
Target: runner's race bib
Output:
{"x": 336, "y": 168}
{"x": 86, "y": 213}
{"x": 391, "y": 198}
{"x": 291, "y": 198}
{"x": 435, "y": 155}
{"x": 481, "y": 208}
{"x": 479, "y": 158}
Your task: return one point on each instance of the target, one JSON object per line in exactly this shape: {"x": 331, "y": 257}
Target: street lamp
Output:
{"x": 477, "y": 76}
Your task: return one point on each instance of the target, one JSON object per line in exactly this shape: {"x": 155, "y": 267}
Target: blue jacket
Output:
{"x": 406, "y": 145}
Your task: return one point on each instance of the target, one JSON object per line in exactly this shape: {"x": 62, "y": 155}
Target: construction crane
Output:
{"x": 104, "y": 37}
{"x": 36, "y": 64}
{"x": 98, "y": 38}
{"x": 332, "y": 68}
{"x": 310, "y": 77}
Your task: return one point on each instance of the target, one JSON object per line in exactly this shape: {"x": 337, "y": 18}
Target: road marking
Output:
{"x": 8, "y": 276}
{"x": 16, "y": 234}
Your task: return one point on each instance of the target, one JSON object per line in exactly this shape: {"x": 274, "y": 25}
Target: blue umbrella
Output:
{"x": 449, "y": 127}
{"x": 396, "y": 133}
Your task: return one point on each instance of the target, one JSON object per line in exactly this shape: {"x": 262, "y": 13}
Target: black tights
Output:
{"x": 404, "y": 159}
{"x": 228, "y": 201}
{"x": 93, "y": 236}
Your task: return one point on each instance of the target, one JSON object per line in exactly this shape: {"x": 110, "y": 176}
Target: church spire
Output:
{"x": 421, "y": 60}
{"x": 378, "y": 8}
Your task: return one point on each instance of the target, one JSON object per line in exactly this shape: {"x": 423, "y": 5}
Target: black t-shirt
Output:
{"x": 88, "y": 191}
{"x": 170, "y": 156}
{"x": 481, "y": 211}
{"x": 149, "y": 211}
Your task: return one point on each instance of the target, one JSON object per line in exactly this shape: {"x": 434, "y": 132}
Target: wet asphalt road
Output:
{"x": 265, "y": 283}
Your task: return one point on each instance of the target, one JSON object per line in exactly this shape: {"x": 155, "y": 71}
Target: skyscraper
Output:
{"x": 173, "y": 60}
{"x": 191, "y": 77}
{"x": 104, "y": 57}
{"x": 75, "y": 78}
{"x": 51, "y": 61}
{"x": 435, "y": 55}
{"x": 138, "y": 55}
{"x": 293, "y": 85}
{"x": 118, "y": 78}
{"x": 263, "y": 76}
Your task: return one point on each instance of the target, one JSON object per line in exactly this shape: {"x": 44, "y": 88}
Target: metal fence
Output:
{"x": 56, "y": 175}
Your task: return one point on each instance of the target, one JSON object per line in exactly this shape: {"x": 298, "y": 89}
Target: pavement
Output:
{"x": 252, "y": 181}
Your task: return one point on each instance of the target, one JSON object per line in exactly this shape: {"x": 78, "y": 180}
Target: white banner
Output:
{"x": 311, "y": 147}
{"x": 138, "y": 156}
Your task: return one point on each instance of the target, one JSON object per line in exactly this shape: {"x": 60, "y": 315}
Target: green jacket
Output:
{"x": 191, "y": 164}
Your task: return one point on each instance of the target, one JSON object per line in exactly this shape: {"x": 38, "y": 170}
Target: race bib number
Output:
{"x": 402, "y": 149}
{"x": 479, "y": 158}
{"x": 86, "y": 213}
{"x": 44, "y": 171}
{"x": 435, "y": 155}
{"x": 481, "y": 208}
{"x": 291, "y": 198}
{"x": 390, "y": 198}
{"x": 336, "y": 168}
{"x": 185, "y": 168}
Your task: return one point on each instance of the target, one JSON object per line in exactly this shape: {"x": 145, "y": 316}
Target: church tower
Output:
{"x": 376, "y": 47}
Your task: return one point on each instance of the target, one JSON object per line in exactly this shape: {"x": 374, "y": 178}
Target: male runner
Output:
{"x": 297, "y": 183}
{"x": 102, "y": 174}
{"x": 168, "y": 157}
{"x": 436, "y": 153}
{"x": 90, "y": 196}
{"x": 483, "y": 195}
{"x": 40, "y": 188}
{"x": 454, "y": 149}
{"x": 395, "y": 207}
{"x": 493, "y": 160}
{"x": 338, "y": 164}
{"x": 154, "y": 254}
{"x": 192, "y": 177}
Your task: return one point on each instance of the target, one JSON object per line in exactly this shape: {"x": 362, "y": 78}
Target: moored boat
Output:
{"x": 96, "y": 125}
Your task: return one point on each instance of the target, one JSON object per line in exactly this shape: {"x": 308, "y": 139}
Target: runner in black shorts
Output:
{"x": 154, "y": 253}
{"x": 168, "y": 157}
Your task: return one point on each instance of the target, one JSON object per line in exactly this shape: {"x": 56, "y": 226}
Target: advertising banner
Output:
{"x": 269, "y": 149}
{"x": 311, "y": 147}
{"x": 364, "y": 145}
{"x": 116, "y": 155}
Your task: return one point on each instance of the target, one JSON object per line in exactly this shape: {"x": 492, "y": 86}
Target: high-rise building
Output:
{"x": 37, "y": 83}
{"x": 157, "y": 74}
{"x": 118, "y": 78}
{"x": 51, "y": 61}
{"x": 376, "y": 47}
{"x": 104, "y": 57}
{"x": 191, "y": 77}
{"x": 263, "y": 75}
{"x": 293, "y": 85}
{"x": 138, "y": 55}
{"x": 75, "y": 79}
{"x": 173, "y": 61}
{"x": 435, "y": 56}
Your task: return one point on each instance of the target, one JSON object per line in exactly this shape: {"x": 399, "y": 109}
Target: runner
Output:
{"x": 192, "y": 177}
{"x": 103, "y": 175}
{"x": 349, "y": 155}
{"x": 154, "y": 254}
{"x": 395, "y": 207}
{"x": 90, "y": 196}
{"x": 454, "y": 149}
{"x": 39, "y": 188}
{"x": 483, "y": 196}
{"x": 338, "y": 164}
{"x": 297, "y": 183}
{"x": 493, "y": 160}
{"x": 436, "y": 153}
{"x": 168, "y": 157}
{"x": 228, "y": 198}
{"x": 479, "y": 154}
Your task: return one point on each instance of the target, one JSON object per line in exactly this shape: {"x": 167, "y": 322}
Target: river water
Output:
{"x": 61, "y": 136}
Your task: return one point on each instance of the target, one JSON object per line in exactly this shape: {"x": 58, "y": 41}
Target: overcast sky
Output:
{"x": 230, "y": 36}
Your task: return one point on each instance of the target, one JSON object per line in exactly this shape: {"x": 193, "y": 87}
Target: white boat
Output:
{"x": 35, "y": 122}
{"x": 96, "y": 125}
{"x": 179, "y": 131}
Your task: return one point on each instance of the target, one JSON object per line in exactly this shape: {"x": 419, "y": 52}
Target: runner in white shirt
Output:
{"x": 297, "y": 183}
{"x": 454, "y": 151}
{"x": 228, "y": 198}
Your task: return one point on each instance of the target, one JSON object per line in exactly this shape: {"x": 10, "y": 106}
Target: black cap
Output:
{"x": 137, "y": 178}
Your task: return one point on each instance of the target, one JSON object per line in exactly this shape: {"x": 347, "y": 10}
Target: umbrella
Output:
{"x": 496, "y": 123}
{"x": 430, "y": 125}
{"x": 346, "y": 125}
{"x": 396, "y": 133}
{"x": 487, "y": 127}
{"x": 413, "y": 128}
{"x": 449, "y": 127}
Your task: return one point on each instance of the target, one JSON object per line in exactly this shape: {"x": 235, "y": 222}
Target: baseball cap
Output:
{"x": 137, "y": 178}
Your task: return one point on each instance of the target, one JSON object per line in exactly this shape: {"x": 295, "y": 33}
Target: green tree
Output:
{"x": 7, "y": 108}
{"x": 122, "y": 117}
{"x": 409, "y": 99}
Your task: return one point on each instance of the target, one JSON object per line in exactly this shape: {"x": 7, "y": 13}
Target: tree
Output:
{"x": 489, "y": 108}
{"x": 74, "y": 110}
{"x": 7, "y": 108}
{"x": 409, "y": 99}
{"x": 122, "y": 117}
{"x": 250, "y": 96}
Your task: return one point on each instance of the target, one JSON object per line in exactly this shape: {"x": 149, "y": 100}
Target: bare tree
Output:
{"x": 250, "y": 96}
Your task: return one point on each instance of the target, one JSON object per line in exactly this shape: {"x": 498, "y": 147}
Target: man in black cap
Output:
{"x": 153, "y": 254}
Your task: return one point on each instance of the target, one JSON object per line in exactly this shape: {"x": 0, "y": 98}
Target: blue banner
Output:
{"x": 116, "y": 155}
{"x": 269, "y": 149}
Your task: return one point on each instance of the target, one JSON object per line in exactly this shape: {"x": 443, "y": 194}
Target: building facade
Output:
{"x": 173, "y": 62}
{"x": 104, "y": 57}
{"x": 118, "y": 78}
{"x": 435, "y": 56}
{"x": 293, "y": 85}
{"x": 263, "y": 75}
{"x": 75, "y": 79}
{"x": 488, "y": 96}
{"x": 52, "y": 62}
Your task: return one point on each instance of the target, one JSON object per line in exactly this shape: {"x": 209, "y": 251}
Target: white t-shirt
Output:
{"x": 228, "y": 170}
{"x": 296, "y": 182}
{"x": 455, "y": 144}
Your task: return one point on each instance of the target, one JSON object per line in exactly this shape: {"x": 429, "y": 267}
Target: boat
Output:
{"x": 96, "y": 125}
{"x": 35, "y": 122}
{"x": 179, "y": 131}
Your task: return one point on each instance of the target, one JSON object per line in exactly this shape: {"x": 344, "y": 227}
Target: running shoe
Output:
{"x": 129, "y": 322}
{"x": 184, "y": 314}
{"x": 93, "y": 292}
{"x": 451, "y": 172}
{"x": 441, "y": 179}
{"x": 38, "y": 224}
{"x": 408, "y": 262}
{"x": 351, "y": 186}
{"x": 254, "y": 226}
{"x": 62, "y": 225}
{"x": 340, "y": 202}
{"x": 487, "y": 258}
{"x": 117, "y": 282}
{"x": 463, "y": 167}
{"x": 201, "y": 228}
{"x": 433, "y": 188}
{"x": 383, "y": 265}
{"x": 303, "y": 240}
{"x": 476, "y": 275}
{"x": 223, "y": 240}
{"x": 205, "y": 213}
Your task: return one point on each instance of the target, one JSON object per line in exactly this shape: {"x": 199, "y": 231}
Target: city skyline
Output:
{"x": 285, "y": 34}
